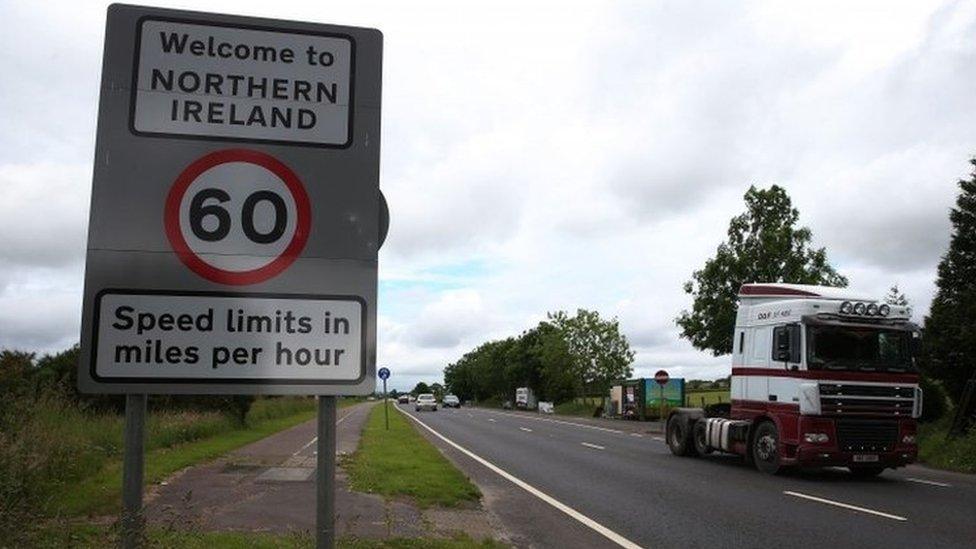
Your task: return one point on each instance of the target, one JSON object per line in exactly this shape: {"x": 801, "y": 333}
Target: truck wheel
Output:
{"x": 699, "y": 432}
{"x": 765, "y": 448}
{"x": 866, "y": 472}
{"x": 679, "y": 436}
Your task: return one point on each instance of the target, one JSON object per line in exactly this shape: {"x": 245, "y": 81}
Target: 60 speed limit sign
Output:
{"x": 237, "y": 216}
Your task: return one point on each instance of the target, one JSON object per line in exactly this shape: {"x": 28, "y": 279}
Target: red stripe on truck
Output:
{"x": 881, "y": 377}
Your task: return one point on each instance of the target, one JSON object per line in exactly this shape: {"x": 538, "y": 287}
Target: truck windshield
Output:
{"x": 858, "y": 348}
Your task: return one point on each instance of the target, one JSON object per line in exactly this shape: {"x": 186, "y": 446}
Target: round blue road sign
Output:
{"x": 384, "y": 373}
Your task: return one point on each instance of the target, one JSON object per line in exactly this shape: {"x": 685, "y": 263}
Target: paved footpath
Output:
{"x": 270, "y": 486}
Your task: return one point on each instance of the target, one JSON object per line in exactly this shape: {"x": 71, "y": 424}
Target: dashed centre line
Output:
{"x": 845, "y": 506}
{"x": 594, "y": 446}
{"x": 929, "y": 482}
{"x": 526, "y": 429}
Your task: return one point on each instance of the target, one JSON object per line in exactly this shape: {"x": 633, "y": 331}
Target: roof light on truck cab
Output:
{"x": 859, "y": 308}
{"x": 846, "y": 307}
{"x": 872, "y": 309}
{"x": 884, "y": 310}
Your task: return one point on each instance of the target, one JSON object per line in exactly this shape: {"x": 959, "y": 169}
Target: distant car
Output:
{"x": 403, "y": 399}
{"x": 425, "y": 402}
{"x": 451, "y": 401}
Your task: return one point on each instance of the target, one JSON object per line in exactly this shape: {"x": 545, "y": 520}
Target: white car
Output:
{"x": 425, "y": 402}
{"x": 451, "y": 401}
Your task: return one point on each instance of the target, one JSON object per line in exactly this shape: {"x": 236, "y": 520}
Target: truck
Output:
{"x": 525, "y": 399}
{"x": 821, "y": 377}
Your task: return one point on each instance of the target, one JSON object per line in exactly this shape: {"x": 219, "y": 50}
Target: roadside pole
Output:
{"x": 325, "y": 466}
{"x": 384, "y": 374}
{"x": 132, "y": 469}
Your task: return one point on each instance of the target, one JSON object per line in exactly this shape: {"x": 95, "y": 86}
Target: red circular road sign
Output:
{"x": 237, "y": 216}
{"x": 661, "y": 377}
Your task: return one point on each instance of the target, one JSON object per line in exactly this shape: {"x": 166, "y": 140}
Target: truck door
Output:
{"x": 757, "y": 386}
{"x": 785, "y": 354}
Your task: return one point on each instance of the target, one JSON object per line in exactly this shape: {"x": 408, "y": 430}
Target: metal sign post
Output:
{"x": 133, "y": 531}
{"x": 662, "y": 378}
{"x": 384, "y": 374}
{"x": 325, "y": 465}
{"x": 235, "y": 220}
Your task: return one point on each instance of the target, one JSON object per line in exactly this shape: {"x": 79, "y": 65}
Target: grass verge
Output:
{"x": 86, "y": 536}
{"x": 401, "y": 462}
{"x": 958, "y": 454}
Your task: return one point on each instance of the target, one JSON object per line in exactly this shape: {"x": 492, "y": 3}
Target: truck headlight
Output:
{"x": 816, "y": 438}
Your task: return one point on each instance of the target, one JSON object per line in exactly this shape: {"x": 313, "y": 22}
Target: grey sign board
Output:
{"x": 235, "y": 213}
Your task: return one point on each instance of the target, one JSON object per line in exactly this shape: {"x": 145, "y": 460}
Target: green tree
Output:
{"x": 420, "y": 388}
{"x": 764, "y": 245}
{"x": 597, "y": 351}
{"x": 896, "y": 297}
{"x": 949, "y": 343}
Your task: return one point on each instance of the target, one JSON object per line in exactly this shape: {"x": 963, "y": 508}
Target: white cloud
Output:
{"x": 543, "y": 156}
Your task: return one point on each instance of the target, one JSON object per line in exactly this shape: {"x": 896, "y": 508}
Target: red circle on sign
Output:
{"x": 661, "y": 377}
{"x": 171, "y": 217}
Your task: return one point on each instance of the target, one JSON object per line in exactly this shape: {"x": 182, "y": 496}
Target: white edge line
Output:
{"x": 597, "y": 446}
{"x": 526, "y": 429}
{"x": 844, "y": 505}
{"x": 311, "y": 442}
{"x": 573, "y": 513}
{"x": 930, "y": 482}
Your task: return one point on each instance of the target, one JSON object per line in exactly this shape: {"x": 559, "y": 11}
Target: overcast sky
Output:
{"x": 539, "y": 157}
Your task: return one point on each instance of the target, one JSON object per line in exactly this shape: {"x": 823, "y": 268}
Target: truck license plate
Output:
{"x": 865, "y": 458}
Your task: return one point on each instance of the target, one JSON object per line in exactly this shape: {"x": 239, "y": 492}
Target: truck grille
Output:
{"x": 866, "y": 435}
{"x": 866, "y": 400}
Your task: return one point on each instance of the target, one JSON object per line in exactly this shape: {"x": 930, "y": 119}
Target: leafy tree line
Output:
{"x": 559, "y": 359}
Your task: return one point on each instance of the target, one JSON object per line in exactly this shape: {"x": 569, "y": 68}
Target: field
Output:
{"x": 698, "y": 399}
{"x": 400, "y": 462}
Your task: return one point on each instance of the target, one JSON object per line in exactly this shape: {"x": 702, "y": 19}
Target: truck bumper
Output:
{"x": 821, "y": 457}
{"x": 832, "y": 453}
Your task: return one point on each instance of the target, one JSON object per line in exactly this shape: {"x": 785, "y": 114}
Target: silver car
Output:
{"x": 425, "y": 402}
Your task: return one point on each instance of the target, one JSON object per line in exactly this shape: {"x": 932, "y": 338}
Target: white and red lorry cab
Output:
{"x": 820, "y": 377}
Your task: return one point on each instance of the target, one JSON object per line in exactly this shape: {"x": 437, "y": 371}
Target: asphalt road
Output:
{"x": 630, "y": 484}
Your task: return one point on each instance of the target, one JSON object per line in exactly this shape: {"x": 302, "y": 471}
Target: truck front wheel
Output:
{"x": 765, "y": 448}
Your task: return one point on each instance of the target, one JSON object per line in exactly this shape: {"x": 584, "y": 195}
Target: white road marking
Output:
{"x": 636, "y": 435}
{"x": 929, "y": 482}
{"x": 526, "y": 429}
{"x": 491, "y": 419}
{"x": 314, "y": 439}
{"x": 595, "y": 446}
{"x": 659, "y": 439}
{"x": 525, "y": 416}
{"x": 576, "y": 515}
{"x": 845, "y": 505}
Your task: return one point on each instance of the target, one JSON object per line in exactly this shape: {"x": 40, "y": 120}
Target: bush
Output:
{"x": 935, "y": 401}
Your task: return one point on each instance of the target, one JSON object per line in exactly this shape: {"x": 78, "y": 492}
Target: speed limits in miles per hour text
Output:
{"x": 222, "y": 337}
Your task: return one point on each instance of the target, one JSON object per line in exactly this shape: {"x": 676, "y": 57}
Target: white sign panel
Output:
{"x": 224, "y": 338}
{"x": 242, "y": 83}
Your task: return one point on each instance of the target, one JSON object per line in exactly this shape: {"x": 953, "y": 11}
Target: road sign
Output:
{"x": 661, "y": 377}
{"x": 384, "y": 373}
{"x": 236, "y": 213}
